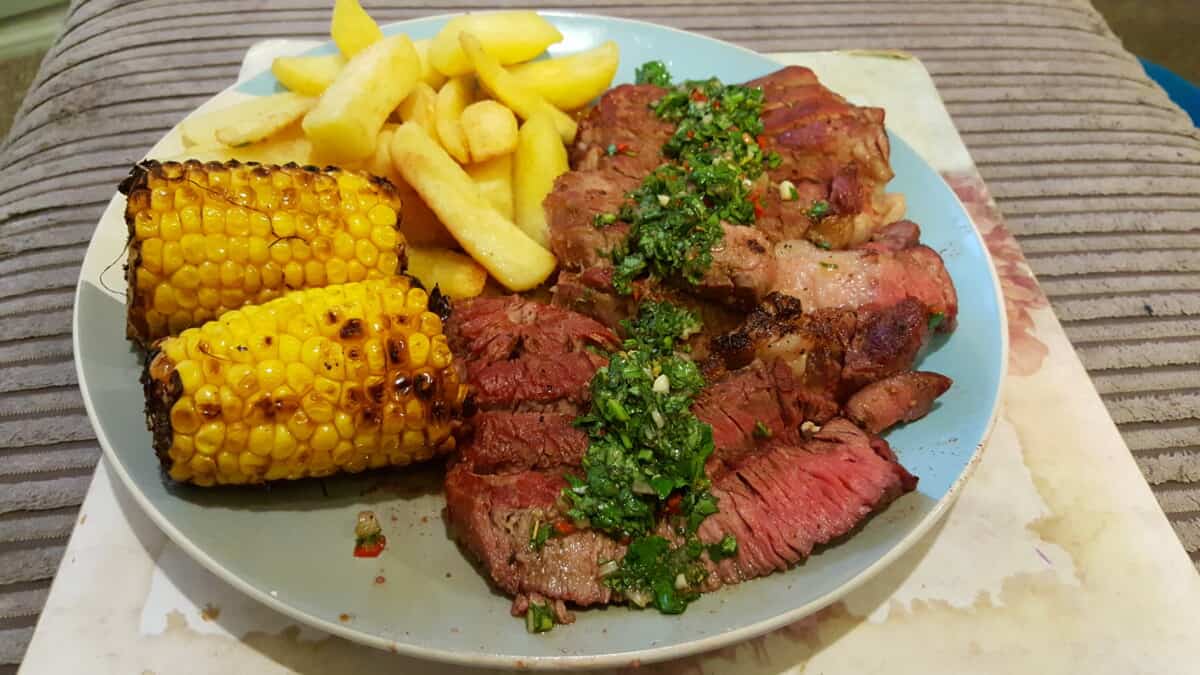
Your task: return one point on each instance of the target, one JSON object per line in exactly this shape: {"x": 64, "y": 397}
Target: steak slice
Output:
{"x": 521, "y": 354}
{"x": 783, "y": 502}
{"x": 622, "y": 119}
{"x": 507, "y": 442}
{"x": 493, "y": 516}
{"x": 571, "y": 209}
{"x": 900, "y": 398}
{"x": 871, "y": 277}
{"x": 755, "y": 406}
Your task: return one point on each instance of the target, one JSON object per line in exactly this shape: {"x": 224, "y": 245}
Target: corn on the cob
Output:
{"x": 341, "y": 378}
{"x": 209, "y": 237}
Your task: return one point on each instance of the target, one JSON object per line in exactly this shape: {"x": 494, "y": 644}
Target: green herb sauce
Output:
{"x": 715, "y": 158}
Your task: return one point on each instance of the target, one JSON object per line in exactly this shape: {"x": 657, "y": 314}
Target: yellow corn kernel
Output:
{"x": 293, "y": 274}
{"x": 355, "y": 271}
{"x": 344, "y": 424}
{"x": 189, "y": 219}
{"x": 190, "y": 375}
{"x": 209, "y": 438}
{"x": 389, "y": 263}
{"x": 184, "y": 419}
{"x": 241, "y": 378}
{"x": 182, "y": 448}
{"x": 335, "y": 271}
{"x": 262, "y": 439}
{"x": 283, "y": 224}
{"x": 237, "y": 435}
{"x": 213, "y": 219}
{"x": 383, "y": 236}
{"x": 252, "y": 464}
{"x": 272, "y": 275}
{"x": 301, "y": 251}
{"x": 280, "y": 252}
{"x": 383, "y": 217}
{"x": 416, "y": 300}
{"x": 202, "y": 466}
{"x": 374, "y": 356}
{"x": 216, "y": 247}
{"x": 263, "y": 347}
{"x": 285, "y": 443}
{"x": 366, "y": 253}
{"x": 343, "y": 453}
{"x": 181, "y": 472}
{"x": 358, "y": 226}
{"x": 343, "y": 246}
{"x": 301, "y": 426}
{"x": 237, "y": 222}
{"x": 231, "y": 405}
{"x": 299, "y": 376}
{"x": 440, "y": 355}
{"x": 227, "y": 466}
{"x": 418, "y": 350}
{"x": 324, "y": 438}
{"x": 193, "y": 248}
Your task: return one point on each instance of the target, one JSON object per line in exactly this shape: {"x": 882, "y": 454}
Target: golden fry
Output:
{"x": 280, "y": 109}
{"x": 453, "y": 273}
{"x": 571, "y": 82}
{"x": 510, "y": 37}
{"x": 454, "y": 97}
{"x": 308, "y": 75}
{"x": 494, "y": 178}
{"x": 515, "y": 260}
{"x": 505, "y": 88}
{"x": 491, "y": 130}
{"x": 352, "y": 29}
{"x": 539, "y": 160}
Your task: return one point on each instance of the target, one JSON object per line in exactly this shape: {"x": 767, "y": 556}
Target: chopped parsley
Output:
{"x": 539, "y": 618}
{"x": 539, "y": 534}
{"x": 714, "y": 160}
{"x": 828, "y": 266}
{"x": 726, "y": 548}
{"x": 645, "y": 457}
{"x": 653, "y": 72}
{"x": 819, "y": 210}
{"x": 936, "y": 320}
{"x": 761, "y": 430}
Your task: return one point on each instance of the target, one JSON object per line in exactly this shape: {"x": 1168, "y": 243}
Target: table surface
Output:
{"x": 1095, "y": 170}
{"x": 1030, "y": 571}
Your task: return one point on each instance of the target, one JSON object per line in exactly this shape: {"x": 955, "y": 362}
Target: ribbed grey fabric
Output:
{"x": 1096, "y": 171}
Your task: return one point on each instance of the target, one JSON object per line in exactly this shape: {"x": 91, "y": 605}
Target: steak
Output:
{"x": 906, "y": 397}
{"x": 788, "y": 499}
{"x": 621, "y": 133}
{"x": 526, "y": 355}
{"x": 571, "y": 209}
{"x": 508, "y": 442}
{"x": 871, "y": 277}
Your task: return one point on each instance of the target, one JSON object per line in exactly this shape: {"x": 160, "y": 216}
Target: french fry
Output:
{"x": 504, "y": 87}
{"x": 279, "y": 109}
{"x": 454, "y": 97}
{"x": 347, "y": 118}
{"x": 540, "y": 159}
{"x": 430, "y": 75}
{"x": 245, "y": 130}
{"x": 491, "y": 130}
{"x": 495, "y": 180}
{"x": 418, "y": 223}
{"x": 571, "y": 82}
{"x": 453, "y": 273}
{"x": 307, "y": 75}
{"x": 510, "y": 37}
{"x": 289, "y": 145}
{"x": 420, "y": 106}
{"x": 351, "y": 28}
{"x": 515, "y": 260}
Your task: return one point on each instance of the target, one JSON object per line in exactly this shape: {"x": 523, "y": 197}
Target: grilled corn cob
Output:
{"x": 341, "y": 378}
{"x": 209, "y": 237}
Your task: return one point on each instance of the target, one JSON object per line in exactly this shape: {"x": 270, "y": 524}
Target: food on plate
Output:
{"x": 420, "y": 106}
{"x": 454, "y": 274}
{"x": 570, "y": 82}
{"x": 369, "y": 541}
{"x": 452, "y": 100}
{"x": 347, "y": 118}
{"x": 495, "y": 180}
{"x": 540, "y": 159}
{"x": 206, "y": 238}
{"x": 515, "y": 260}
{"x": 491, "y": 130}
{"x": 325, "y": 380}
{"x": 288, "y": 145}
{"x": 715, "y": 308}
{"x": 429, "y": 75}
{"x": 308, "y": 75}
{"x": 509, "y": 37}
{"x": 352, "y": 29}
{"x": 501, "y": 84}
{"x": 246, "y": 122}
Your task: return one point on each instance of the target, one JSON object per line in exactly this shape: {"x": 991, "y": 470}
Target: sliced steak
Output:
{"x": 571, "y": 210}
{"x": 895, "y": 236}
{"x": 906, "y": 397}
{"x": 783, "y": 502}
{"x": 755, "y": 406}
{"x": 507, "y": 442}
{"x": 742, "y": 270}
{"x": 526, "y": 355}
{"x": 621, "y": 133}
{"x": 885, "y": 343}
{"x": 493, "y": 516}
{"x": 869, "y": 278}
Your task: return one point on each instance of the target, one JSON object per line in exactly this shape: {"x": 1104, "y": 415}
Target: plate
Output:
{"x": 289, "y": 546}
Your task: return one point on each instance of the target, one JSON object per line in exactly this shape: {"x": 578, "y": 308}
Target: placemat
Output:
{"x": 1093, "y": 166}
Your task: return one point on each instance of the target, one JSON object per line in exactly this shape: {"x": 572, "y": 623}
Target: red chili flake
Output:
{"x": 762, "y": 142}
{"x": 758, "y": 209}
{"x": 370, "y": 547}
{"x": 673, "y": 504}
{"x": 564, "y": 527}
{"x": 698, "y": 95}
{"x": 691, "y": 134}
{"x": 717, "y": 104}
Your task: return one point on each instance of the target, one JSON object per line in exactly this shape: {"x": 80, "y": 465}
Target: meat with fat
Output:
{"x": 906, "y": 397}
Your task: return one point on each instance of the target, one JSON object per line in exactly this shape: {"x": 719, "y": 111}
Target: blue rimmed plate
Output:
{"x": 289, "y": 546}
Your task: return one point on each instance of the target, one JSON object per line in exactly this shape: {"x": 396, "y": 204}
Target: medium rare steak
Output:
{"x": 621, "y": 133}
{"x": 900, "y": 398}
{"x": 870, "y": 277}
{"x": 507, "y": 442}
{"x": 521, "y": 354}
{"x": 786, "y": 500}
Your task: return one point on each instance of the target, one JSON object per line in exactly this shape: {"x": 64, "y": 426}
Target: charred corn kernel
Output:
{"x": 257, "y": 228}
{"x": 314, "y": 382}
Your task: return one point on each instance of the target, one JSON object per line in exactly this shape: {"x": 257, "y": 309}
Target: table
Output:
{"x": 1092, "y": 165}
